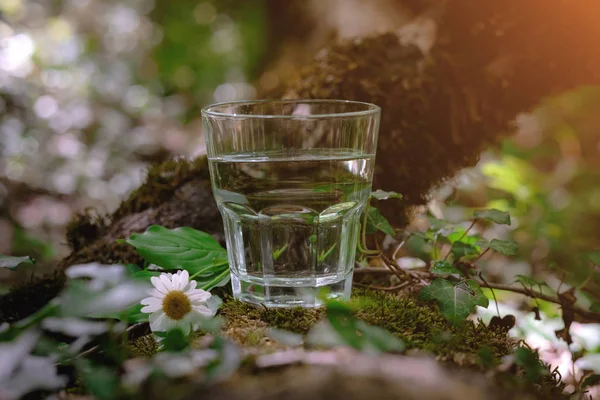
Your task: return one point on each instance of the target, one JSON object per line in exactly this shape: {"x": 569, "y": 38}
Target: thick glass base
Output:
{"x": 291, "y": 292}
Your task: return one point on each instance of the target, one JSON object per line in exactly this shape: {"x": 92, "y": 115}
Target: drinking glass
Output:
{"x": 291, "y": 178}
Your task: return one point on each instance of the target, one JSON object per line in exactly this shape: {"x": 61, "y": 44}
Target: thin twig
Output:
{"x": 398, "y": 248}
{"x": 462, "y": 237}
{"x": 588, "y": 316}
{"x": 384, "y": 288}
{"x": 491, "y": 290}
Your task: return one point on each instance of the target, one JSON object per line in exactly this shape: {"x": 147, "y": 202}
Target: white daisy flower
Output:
{"x": 175, "y": 302}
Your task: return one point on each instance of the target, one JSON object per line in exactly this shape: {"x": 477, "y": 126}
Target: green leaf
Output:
{"x": 355, "y": 333}
{"x": 456, "y": 301}
{"x": 12, "y": 263}
{"x": 478, "y": 295}
{"x": 378, "y": 339}
{"x": 506, "y": 247}
{"x": 494, "y": 215}
{"x": 100, "y": 381}
{"x": 594, "y": 256}
{"x": 383, "y": 195}
{"x": 530, "y": 362}
{"x": 443, "y": 267}
{"x": 591, "y": 380}
{"x": 175, "y": 341}
{"x": 180, "y": 248}
{"x": 461, "y": 249}
{"x": 595, "y": 307}
{"x": 377, "y": 222}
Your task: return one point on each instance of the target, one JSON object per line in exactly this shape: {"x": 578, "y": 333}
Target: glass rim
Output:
{"x": 370, "y": 109}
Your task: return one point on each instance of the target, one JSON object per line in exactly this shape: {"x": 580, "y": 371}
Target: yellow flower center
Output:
{"x": 176, "y": 305}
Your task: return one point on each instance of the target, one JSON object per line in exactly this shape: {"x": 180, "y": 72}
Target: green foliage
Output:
{"x": 377, "y": 222}
{"x": 592, "y": 380}
{"x": 175, "y": 341}
{"x": 462, "y": 249}
{"x": 497, "y": 216}
{"x": 506, "y": 247}
{"x": 530, "y": 361}
{"x": 100, "y": 381}
{"x": 184, "y": 248}
{"x": 442, "y": 267}
{"x": 352, "y": 332}
{"x": 10, "y": 262}
{"x": 456, "y": 300}
{"x": 383, "y": 195}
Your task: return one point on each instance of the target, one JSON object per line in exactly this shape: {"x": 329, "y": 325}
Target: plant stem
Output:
{"x": 493, "y": 293}
{"x": 462, "y": 237}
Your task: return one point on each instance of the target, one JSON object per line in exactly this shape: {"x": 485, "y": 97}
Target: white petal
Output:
{"x": 203, "y": 310}
{"x": 184, "y": 275}
{"x": 159, "y": 322}
{"x": 150, "y": 309}
{"x": 156, "y": 294}
{"x": 166, "y": 280}
{"x": 190, "y": 287}
{"x": 185, "y": 326}
{"x": 158, "y": 284}
{"x": 152, "y": 304}
{"x": 148, "y": 301}
{"x": 156, "y": 320}
{"x": 199, "y": 295}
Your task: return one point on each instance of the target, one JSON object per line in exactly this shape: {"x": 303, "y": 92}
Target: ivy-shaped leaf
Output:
{"x": 494, "y": 215}
{"x": 383, "y": 195}
{"x": 479, "y": 297}
{"x": 461, "y": 249}
{"x": 456, "y": 301}
{"x": 377, "y": 222}
{"x": 443, "y": 267}
{"x": 506, "y": 247}
{"x": 12, "y": 263}
{"x": 180, "y": 248}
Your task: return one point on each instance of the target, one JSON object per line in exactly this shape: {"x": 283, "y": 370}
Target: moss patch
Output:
{"x": 160, "y": 184}
{"x": 420, "y": 325}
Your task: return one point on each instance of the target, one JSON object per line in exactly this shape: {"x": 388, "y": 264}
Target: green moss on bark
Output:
{"x": 420, "y": 325}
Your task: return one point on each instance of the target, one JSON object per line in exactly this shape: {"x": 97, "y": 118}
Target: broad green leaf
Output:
{"x": 595, "y": 307}
{"x": 456, "y": 301}
{"x": 506, "y": 247}
{"x": 180, "y": 248}
{"x": 461, "y": 249}
{"x": 443, "y": 267}
{"x": 497, "y": 216}
{"x": 459, "y": 235}
{"x": 175, "y": 341}
{"x": 478, "y": 295}
{"x": 383, "y": 195}
{"x": 377, "y": 222}
{"x": 12, "y": 263}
